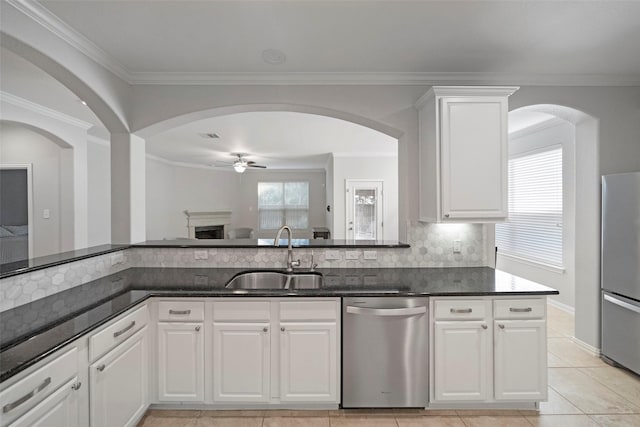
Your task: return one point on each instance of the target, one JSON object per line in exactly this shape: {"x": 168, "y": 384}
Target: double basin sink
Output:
{"x": 275, "y": 280}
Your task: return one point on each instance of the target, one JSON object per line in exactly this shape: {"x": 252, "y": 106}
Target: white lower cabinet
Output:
{"x": 241, "y": 362}
{"x": 308, "y": 362}
{"x": 118, "y": 384}
{"x": 59, "y": 410}
{"x": 462, "y": 366}
{"x": 520, "y": 360}
{"x": 488, "y": 350}
{"x": 180, "y": 362}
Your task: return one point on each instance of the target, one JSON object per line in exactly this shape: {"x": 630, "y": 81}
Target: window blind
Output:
{"x": 281, "y": 203}
{"x": 533, "y": 230}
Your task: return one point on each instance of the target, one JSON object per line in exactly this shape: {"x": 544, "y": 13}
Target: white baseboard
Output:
{"x": 562, "y": 306}
{"x": 594, "y": 351}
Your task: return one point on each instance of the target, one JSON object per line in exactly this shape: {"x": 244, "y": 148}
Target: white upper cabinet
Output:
{"x": 463, "y": 153}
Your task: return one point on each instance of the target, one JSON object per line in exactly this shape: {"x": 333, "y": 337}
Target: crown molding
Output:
{"x": 48, "y": 20}
{"x": 381, "y": 154}
{"x": 42, "y": 110}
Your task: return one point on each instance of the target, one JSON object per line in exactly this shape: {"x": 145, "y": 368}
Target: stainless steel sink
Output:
{"x": 275, "y": 280}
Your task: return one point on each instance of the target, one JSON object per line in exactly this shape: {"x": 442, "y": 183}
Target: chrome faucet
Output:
{"x": 290, "y": 262}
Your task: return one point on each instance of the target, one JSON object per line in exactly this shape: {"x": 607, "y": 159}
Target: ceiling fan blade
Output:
{"x": 256, "y": 166}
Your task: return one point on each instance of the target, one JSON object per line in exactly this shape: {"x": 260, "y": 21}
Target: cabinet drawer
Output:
{"x": 294, "y": 311}
{"x": 519, "y": 309}
{"x": 180, "y": 311}
{"x": 460, "y": 309}
{"x": 241, "y": 311}
{"x": 24, "y": 394}
{"x": 116, "y": 333}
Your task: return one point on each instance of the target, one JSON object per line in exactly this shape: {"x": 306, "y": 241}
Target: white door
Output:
{"x": 118, "y": 381}
{"x": 520, "y": 360}
{"x": 180, "y": 362}
{"x": 60, "y": 409}
{"x": 364, "y": 210}
{"x": 308, "y": 362}
{"x": 462, "y": 367}
{"x": 474, "y": 132}
{"x": 241, "y": 362}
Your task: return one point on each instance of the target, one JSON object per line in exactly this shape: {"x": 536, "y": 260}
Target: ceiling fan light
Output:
{"x": 239, "y": 167}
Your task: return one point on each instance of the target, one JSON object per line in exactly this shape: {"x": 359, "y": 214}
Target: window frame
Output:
{"x": 284, "y": 208}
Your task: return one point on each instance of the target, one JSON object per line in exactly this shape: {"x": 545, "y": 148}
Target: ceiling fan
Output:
{"x": 241, "y": 163}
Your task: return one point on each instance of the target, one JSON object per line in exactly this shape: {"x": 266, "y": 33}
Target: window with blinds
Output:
{"x": 533, "y": 230}
{"x": 283, "y": 203}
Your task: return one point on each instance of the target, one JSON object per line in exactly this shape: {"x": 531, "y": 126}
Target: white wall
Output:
{"x": 51, "y": 184}
{"x": 376, "y": 169}
{"x": 329, "y": 194}
{"x": 557, "y": 132}
{"x": 245, "y": 208}
{"x": 99, "y": 193}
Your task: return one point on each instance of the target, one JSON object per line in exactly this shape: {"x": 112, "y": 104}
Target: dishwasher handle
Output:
{"x": 409, "y": 311}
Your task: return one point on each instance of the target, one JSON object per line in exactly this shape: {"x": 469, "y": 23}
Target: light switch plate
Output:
{"x": 370, "y": 255}
{"x": 352, "y": 255}
{"x": 201, "y": 254}
{"x": 331, "y": 254}
{"x": 457, "y": 246}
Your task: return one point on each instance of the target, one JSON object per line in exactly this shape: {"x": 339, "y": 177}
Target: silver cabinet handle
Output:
{"x": 197, "y": 328}
{"x": 179, "y": 311}
{"x": 101, "y": 368}
{"x": 520, "y": 310}
{"x": 501, "y": 326}
{"x": 265, "y": 329}
{"x": 122, "y": 331}
{"x": 282, "y": 328}
{"x": 461, "y": 310}
{"x": 15, "y": 404}
{"x": 388, "y": 312}
{"x": 484, "y": 326}
{"x": 76, "y": 386}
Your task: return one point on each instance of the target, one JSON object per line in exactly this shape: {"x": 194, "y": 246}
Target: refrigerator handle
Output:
{"x": 622, "y": 304}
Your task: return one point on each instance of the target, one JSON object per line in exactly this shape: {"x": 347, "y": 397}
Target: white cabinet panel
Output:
{"x": 241, "y": 362}
{"x": 118, "y": 393}
{"x": 180, "y": 362}
{"x": 520, "y": 360}
{"x": 59, "y": 410}
{"x": 462, "y": 367}
{"x": 308, "y": 362}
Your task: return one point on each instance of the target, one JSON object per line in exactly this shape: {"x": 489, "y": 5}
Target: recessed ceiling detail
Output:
{"x": 274, "y": 56}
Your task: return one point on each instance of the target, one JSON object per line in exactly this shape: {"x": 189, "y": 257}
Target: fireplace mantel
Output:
{"x": 203, "y": 219}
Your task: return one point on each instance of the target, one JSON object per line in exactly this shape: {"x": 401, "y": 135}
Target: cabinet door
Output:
{"x": 308, "y": 362}
{"x": 180, "y": 362}
{"x": 520, "y": 360}
{"x": 474, "y": 157}
{"x": 60, "y": 409}
{"x": 241, "y": 362}
{"x": 462, "y": 368}
{"x": 118, "y": 381}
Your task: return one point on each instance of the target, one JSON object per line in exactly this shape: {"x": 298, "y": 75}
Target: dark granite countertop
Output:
{"x": 268, "y": 243}
{"x": 31, "y": 332}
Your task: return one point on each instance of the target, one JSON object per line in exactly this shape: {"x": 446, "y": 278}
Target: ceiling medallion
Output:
{"x": 273, "y": 56}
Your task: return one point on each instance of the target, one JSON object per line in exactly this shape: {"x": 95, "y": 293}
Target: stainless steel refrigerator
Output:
{"x": 620, "y": 270}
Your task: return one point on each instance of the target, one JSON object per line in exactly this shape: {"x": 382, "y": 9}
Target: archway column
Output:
{"x": 128, "y": 189}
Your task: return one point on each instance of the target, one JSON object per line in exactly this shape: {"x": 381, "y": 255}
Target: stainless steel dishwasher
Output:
{"x": 385, "y": 358}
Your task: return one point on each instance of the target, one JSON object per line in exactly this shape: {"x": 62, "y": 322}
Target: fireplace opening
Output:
{"x": 210, "y": 232}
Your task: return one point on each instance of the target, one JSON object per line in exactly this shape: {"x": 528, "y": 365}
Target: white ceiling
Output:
{"x": 279, "y": 140}
{"x": 530, "y": 39}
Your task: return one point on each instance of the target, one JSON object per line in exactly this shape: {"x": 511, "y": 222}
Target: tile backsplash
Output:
{"x": 431, "y": 246}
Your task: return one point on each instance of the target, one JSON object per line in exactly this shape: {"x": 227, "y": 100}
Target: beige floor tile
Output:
{"x": 622, "y": 382}
{"x": 361, "y": 421}
{"x": 554, "y": 333}
{"x": 562, "y": 421}
{"x": 174, "y": 413}
{"x": 438, "y": 413}
{"x": 488, "y": 412}
{"x": 586, "y": 393}
{"x": 434, "y": 421}
{"x": 568, "y": 351}
{"x": 496, "y": 421}
{"x": 153, "y": 421}
{"x": 228, "y": 422}
{"x": 387, "y": 412}
{"x": 617, "y": 420}
{"x": 232, "y": 413}
{"x": 557, "y": 405}
{"x": 409, "y": 412}
{"x": 290, "y": 413}
{"x": 296, "y": 422}
{"x": 554, "y": 361}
